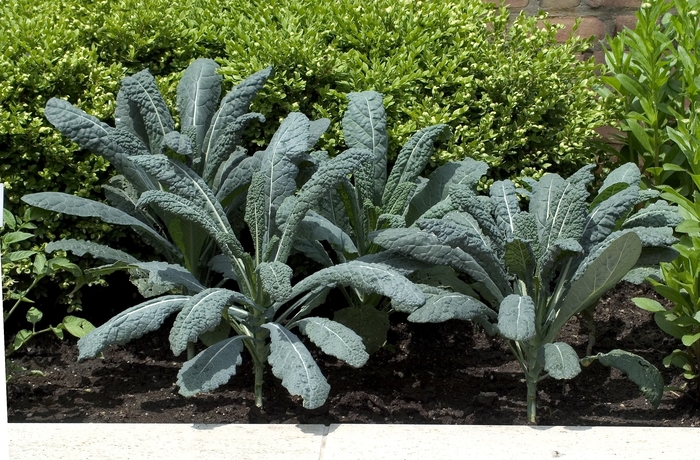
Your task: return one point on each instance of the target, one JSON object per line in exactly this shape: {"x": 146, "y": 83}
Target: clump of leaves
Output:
{"x": 193, "y": 195}
{"x": 680, "y": 285}
{"x": 15, "y": 231}
{"x": 654, "y": 73}
{"x": 345, "y": 216}
{"x": 524, "y": 274}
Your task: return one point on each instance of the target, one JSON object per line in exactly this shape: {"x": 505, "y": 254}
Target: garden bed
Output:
{"x": 433, "y": 373}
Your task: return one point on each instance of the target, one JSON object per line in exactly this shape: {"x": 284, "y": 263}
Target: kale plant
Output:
{"x": 183, "y": 191}
{"x": 347, "y": 215}
{"x": 529, "y": 272}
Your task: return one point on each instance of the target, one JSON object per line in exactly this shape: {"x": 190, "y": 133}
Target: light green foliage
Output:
{"x": 168, "y": 194}
{"x": 514, "y": 97}
{"x": 681, "y": 286}
{"x": 526, "y": 273}
{"x": 37, "y": 265}
{"x": 654, "y": 73}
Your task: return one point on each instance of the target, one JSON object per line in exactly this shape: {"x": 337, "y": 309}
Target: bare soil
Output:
{"x": 448, "y": 373}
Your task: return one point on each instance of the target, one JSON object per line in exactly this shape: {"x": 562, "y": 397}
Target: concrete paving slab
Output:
{"x": 87, "y": 441}
{"x": 394, "y": 442}
{"x": 340, "y": 442}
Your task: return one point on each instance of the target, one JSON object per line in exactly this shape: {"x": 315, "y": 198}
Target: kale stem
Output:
{"x": 531, "y": 400}
{"x": 258, "y": 383}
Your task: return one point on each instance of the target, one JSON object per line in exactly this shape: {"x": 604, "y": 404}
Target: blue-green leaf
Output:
{"x": 276, "y": 280}
{"x": 279, "y": 164}
{"x": 142, "y": 90}
{"x": 560, "y": 361}
{"x": 366, "y": 277}
{"x": 99, "y": 251}
{"x": 335, "y": 339}
{"x": 292, "y": 362}
{"x": 638, "y": 369}
{"x": 364, "y": 126}
{"x": 235, "y": 104}
{"x": 413, "y": 158}
{"x": 211, "y": 368}
{"x": 505, "y": 205}
{"x": 560, "y": 209}
{"x": 516, "y": 317}
{"x": 328, "y": 176}
{"x": 598, "y": 277}
{"x": 465, "y": 173}
{"x": 197, "y": 97}
{"x": 83, "y": 129}
{"x": 201, "y": 313}
{"x": 444, "y": 305}
{"x": 77, "y": 206}
{"x": 226, "y": 145}
{"x": 130, "y": 324}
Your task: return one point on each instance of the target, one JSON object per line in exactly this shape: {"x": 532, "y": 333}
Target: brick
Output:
{"x": 510, "y": 3}
{"x": 629, "y": 21}
{"x": 614, "y": 3}
{"x": 559, "y": 4}
{"x": 590, "y": 26}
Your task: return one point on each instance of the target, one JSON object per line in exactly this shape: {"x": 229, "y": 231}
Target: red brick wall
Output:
{"x": 598, "y": 17}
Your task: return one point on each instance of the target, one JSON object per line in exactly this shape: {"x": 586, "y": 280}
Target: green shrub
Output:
{"x": 654, "y": 72}
{"x": 513, "y": 97}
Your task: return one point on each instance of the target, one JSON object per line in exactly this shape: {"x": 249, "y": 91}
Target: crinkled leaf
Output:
{"x": 658, "y": 214}
{"x": 279, "y": 164}
{"x": 626, "y": 174}
{"x": 316, "y": 227}
{"x": 516, "y": 317}
{"x": 83, "y": 129}
{"x": 598, "y": 277}
{"x": 142, "y": 90}
{"x": 182, "y": 181}
{"x": 413, "y": 158}
{"x": 560, "y": 209}
{"x": 77, "y": 206}
{"x": 449, "y": 305}
{"x": 639, "y": 370}
{"x": 178, "y": 143}
{"x": 560, "y": 361}
{"x": 255, "y": 215}
{"x": 328, "y": 176}
{"x": 197, "y": 97}
{"x": 520, "y": 259}
{"x": 367, "y": 278}
{"x": 465, "y": 173}
{"x": 227, "y": 144}
{"x": 201, "y": 313}
{"x": 238, "y": 180}
{"x": 276, "y": 280}
{"x": 235, "y": 104}
{"x": 211, "y": 368}
{"x": 364, "y": 126}
{"x": 427, "y": 248}
{"x": 505, "y": 205}
{"x": 99, "y": 251}
{"x": 130, "y": 324}
{"x": 168, "y": 276}
{"x": 316, "y": 130}
{"x": 602, "y": 220}
{"x": 292, "y": 362}
{"x": 335, "y": 339}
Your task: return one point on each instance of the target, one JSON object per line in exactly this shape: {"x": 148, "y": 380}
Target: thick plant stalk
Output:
{"x": 531, "y": 401}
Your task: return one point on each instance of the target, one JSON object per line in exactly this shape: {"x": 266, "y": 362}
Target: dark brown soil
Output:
{"x": 447, "y": 373}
